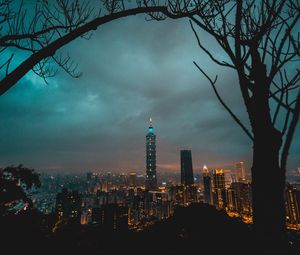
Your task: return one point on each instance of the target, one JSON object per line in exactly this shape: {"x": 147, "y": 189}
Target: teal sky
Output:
{"x": 132, "y": 70}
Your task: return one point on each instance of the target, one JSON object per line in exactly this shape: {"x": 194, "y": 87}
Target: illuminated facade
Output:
{"x": 292, "y": 205}
{"x": 178, "y": 194}
{"x": 231, "y": 200}
{"x": 207, "y": 186}
{"x": 187, "y": 176}
{"x": 151, "y": 179}
{"x": 247, "y": 199}
{"x": 219, "y": 189}
{"x": 68, "y": 206}
{"x": 111, "y": 217}
{"x": 132, "y": 179}
{"x": 240, "y": 171}
{"x": 243, "y": 194}
{"x": 219, "y": 179}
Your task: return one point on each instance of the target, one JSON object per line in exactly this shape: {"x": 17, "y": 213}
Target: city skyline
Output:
{"x": 149, "y": 127}
{"x": 175, "y": 167}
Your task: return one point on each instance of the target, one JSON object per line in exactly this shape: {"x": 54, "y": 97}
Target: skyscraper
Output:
{"x": 219, "y": 188}
{"x": 240, "y": 170}
{"x": 243, "y": 193}
{"x": 231, "y": 200}
{"x": 151, "y": 179}
{"x": 132, "y": 179}
{"x": 111, "y": 217}
{"x": 207, "y": 186}
{"x": 68, "y": 206}
{"x": 219, "y": 179}
{"x": 187, "y": 177}
{"x": 292, "y": 205}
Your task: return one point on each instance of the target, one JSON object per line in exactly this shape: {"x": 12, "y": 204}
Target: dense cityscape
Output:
{"x": 136, "y": 200}
{"x": 218, "y": 172}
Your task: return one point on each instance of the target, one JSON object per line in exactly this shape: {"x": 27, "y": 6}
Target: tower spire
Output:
{"x": 205, "y": 170}
{"x": 151, "y": 179}
{"x": 150, "y": 129}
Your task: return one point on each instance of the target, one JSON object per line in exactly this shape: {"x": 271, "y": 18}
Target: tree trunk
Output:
{"x": 268, "y": 179}
{"x": 268, "y": 185}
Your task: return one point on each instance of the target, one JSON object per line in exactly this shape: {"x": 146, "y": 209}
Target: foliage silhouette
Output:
{"x": 54, "y": 24}
{"x": 196, "y": 229}
{"x": 14, "y": 184}
{"x": 260, "y": 39}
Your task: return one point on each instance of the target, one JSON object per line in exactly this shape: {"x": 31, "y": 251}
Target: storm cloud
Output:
{"x": 132, "y": 69}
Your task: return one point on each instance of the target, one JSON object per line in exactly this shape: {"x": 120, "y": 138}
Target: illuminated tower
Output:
{"x": 151, "y": 179}
{"x": 187, "y": 177}
{"x": 68, "y": 205}
{"x": 292, "y": 205}
{"x": 219, "y": 179}
{"x": 240, "y": 170}
{"x": 207, "y": 185}
{"x": 219, "y": 188}
{"x": 231, "y": 200}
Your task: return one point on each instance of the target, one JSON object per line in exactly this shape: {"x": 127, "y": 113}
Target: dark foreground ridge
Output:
{"x": 197, "y": 229}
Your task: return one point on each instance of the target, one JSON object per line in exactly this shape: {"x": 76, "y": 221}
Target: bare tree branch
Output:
{"x": 208, "y": 52}
{"x": 54, "y": 26}
{"x": 236, "y": 119}
{"x": 290, "y": 133}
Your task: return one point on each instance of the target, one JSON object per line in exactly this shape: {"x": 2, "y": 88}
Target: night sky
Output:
{"x": 132, "y": 70}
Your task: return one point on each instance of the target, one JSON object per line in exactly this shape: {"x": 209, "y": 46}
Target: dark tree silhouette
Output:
{"x": 14, "y": 184}
{"x": 53, "y": 24}
{"x": 261, "y": 39}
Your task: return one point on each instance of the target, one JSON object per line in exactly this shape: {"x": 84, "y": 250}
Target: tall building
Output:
{"x": 219, "y": 179}
{"x": 111, "y": 217}
{"x": 247, "y": 198}
{"x": 151, "y": 179}
{"x": 177, "y": 194}
{"x": 292, "y": 205}
{"x": 207, "y": 186}
{"x": 231, "y": 200}
{"x": 68, "y": 206}
{"x": 243, "y": 193}
{"x": 187, "y": 177}
{"x": 240, "y": 170}
{"x": 132, "y": 179}
{"x": 219, "y": 189}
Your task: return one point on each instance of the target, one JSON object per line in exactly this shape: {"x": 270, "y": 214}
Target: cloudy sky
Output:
{"x": 132, "y": 70}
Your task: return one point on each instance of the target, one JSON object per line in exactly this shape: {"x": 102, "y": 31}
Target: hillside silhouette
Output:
{"x": 196, "y": 229}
